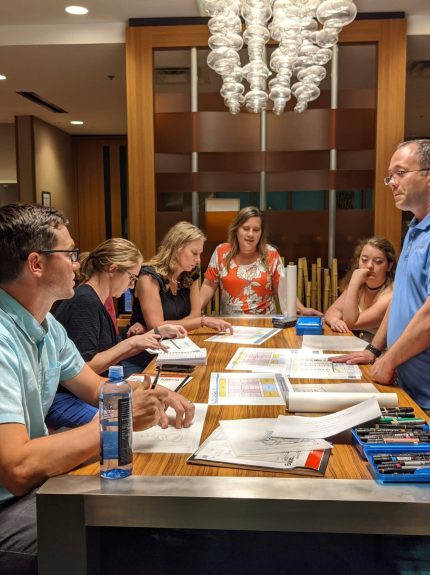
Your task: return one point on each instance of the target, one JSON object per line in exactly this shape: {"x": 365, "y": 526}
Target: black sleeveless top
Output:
{"x": 175, "y": 306}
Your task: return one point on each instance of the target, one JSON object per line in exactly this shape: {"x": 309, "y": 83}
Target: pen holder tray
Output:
{"x": 365, "y": 448}
{"x": 419, "y": 476}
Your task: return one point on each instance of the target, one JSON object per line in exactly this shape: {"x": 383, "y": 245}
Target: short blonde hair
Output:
{"x": 115, "y": 251}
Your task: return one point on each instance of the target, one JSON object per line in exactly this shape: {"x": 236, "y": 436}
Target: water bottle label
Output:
{"x": 109, "y": 446}
{"x": 125, "y": 432}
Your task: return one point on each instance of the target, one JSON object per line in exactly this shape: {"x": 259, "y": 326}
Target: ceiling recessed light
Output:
{"x": 2, "y": 77}
{"x": 76, "y": 122}
{"x": 76, "y": 10}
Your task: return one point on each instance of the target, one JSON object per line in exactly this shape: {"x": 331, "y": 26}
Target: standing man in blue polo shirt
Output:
{"x": 405, "y": 328}
{"x": 38, "y": 261}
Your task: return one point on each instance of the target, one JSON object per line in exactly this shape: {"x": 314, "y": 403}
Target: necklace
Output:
{"x": 375, "y": 288}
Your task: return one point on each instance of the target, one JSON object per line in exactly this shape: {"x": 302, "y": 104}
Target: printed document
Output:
{"x": 245, "y": 335}
{"x": 247, "y": 389}
{"x": 171, "y": 382}
{"x": 305, "y": 364}
{"x": 274, "y": 360}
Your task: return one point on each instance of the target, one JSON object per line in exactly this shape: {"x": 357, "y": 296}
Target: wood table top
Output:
{"x": 344, "y": 462}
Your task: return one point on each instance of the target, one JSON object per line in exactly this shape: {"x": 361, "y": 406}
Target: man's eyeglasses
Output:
{"x": 132, "y": 277}
{"x": 72, "y": 254}
{"x": 400, "y": 174}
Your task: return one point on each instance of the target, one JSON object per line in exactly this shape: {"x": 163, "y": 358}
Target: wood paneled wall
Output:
{"x": 388, "y": 35}
{"x": 93, "y": 180}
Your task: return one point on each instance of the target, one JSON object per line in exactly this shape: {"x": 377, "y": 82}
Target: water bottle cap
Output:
{"x": 116, "y": 372}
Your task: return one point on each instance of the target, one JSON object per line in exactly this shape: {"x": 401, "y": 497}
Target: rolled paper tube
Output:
{"x": 291, "y": 273}
{"x": 329, "y": 401}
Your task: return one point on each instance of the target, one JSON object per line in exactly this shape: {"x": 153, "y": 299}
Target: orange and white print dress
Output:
{"x": 248, "y": 288}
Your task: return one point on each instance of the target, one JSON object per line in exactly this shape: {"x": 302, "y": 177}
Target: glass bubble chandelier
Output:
{"x": 305, "y": 31}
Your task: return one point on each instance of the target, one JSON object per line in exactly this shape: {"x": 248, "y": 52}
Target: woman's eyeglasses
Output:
{"x": 133, "y": 278}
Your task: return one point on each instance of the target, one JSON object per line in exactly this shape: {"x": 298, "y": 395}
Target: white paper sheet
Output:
{"x": 177, "y": 345}
{"x": 171, "y": 440}
{"x": 245, "y": 335}
{"x": 247, "y": 389}
{"x": 343, "y": 343}
{"x": 254, "y": 436}
{"x": 171, "y": 383}
{"x": 295, "y": 426}
{"x": 273, "y": 360}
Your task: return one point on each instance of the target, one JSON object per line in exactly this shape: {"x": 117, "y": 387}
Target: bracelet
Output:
{"x": 203, "y": 321}
{"x": 157, "y": 331}
{"x": 376, "y": 352}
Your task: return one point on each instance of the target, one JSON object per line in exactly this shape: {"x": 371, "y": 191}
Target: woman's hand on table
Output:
{"x": 339, "y": 325}
{"x": 135, "y": 329}
{"x": 170, "y": 331}
{"x": 218, "y": 324}
{"x": 309, "y": 311}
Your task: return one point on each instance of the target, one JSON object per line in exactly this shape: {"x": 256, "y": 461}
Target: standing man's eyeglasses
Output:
{"x": 72, "y": 254}
{"x": 401, "y": 173}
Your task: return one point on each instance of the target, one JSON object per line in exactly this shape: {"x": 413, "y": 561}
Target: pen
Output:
{"x": 154, "y": 383}
{"x": 183, "y": 382}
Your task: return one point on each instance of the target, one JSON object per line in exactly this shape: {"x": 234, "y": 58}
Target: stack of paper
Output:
{"x": 181, "y": 352}
{"x": 248, "y": 443}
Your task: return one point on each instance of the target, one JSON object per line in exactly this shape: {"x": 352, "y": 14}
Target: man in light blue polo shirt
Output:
{"x": 406, "y": 325}
{"x": 38, "y": 261}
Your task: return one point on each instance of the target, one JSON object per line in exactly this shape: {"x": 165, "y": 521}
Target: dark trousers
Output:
{"x": 18, "y": 536}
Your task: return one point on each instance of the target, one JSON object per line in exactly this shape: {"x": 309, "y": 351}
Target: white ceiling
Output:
{"x": 68, "y": 60}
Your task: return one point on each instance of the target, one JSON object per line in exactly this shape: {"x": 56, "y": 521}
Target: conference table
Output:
{"x": 167, "y": 492}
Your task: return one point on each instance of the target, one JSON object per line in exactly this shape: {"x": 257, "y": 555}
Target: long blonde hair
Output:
{"x": 165, "y": 260}
{"x": 115, "y": 251}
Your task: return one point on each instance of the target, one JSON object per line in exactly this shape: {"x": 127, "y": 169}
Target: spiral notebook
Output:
{"x": 197, "y": 357}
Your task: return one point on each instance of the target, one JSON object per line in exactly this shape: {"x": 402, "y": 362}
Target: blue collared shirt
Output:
{"x": 34, "y": 357}
{"x": 411, "y": 290}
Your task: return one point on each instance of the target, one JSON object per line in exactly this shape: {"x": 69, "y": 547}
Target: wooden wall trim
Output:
{"x": 388, "y": 35}
{"x": 390, "y": 121}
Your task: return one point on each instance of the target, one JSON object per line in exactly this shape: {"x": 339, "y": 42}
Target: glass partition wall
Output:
{"x": 281, "y": 163}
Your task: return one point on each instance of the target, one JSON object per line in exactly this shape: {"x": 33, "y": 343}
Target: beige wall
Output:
{"x": 53, "y": 165}
{"x": 7, "y": 154}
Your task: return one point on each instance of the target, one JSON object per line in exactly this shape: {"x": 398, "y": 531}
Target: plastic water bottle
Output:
{"x": 116, "y": 426}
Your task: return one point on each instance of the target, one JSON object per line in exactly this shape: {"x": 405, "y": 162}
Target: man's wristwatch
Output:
{"x": 157, "y": 331}
{"x": 376, "y": 352}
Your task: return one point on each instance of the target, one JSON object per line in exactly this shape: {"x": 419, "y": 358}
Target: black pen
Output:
{"x": 154, "y": 383}
{"x": 183, "y": 382}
